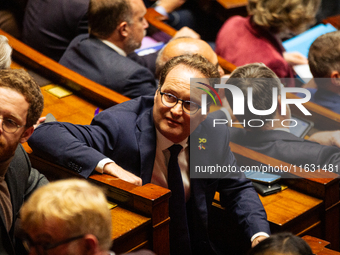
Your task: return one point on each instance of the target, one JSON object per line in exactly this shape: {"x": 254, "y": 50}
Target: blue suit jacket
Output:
{"x": 126, "y": 133}
{"x": 95, "y": 60}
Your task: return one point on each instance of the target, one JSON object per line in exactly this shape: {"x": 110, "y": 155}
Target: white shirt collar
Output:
{"x": 115, "y": 47}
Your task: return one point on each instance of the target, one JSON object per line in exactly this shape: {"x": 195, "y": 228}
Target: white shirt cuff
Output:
{"x": 161, "y": 10}
{"x": 100, "y": 167}
{"x": 258, "y": 234}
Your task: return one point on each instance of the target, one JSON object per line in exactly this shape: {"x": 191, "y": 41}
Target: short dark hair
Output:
{"x": 20, "y": 81}
{"x": 105, "y": 15}
{"x": 283, "y": 243}
{"x": 324, "y": 55}
{"x": 262, "y": 80}
{"x": 194, "y": 61}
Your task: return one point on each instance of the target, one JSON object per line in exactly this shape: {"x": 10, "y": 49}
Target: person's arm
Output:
{"x": 79, "y": 148}
{"x": 239, "y": 194}
{"x": 330, "y": 138}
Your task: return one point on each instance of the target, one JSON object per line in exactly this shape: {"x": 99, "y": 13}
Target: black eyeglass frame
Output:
{"x": 183, "y": 101}
{"x": 14, "y": 123}
{"x": 29, "y": 243}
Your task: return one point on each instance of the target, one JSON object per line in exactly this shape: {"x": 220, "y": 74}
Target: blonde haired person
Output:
{"x": 68, "y": 217}
{"x": 257, "y": 38}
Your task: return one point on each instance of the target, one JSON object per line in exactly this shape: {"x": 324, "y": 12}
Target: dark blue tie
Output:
{"x": 179, "y": 233}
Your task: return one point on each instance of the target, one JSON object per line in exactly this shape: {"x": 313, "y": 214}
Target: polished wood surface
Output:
{"x": 321, "y": 185}
{"x": 141, "y": 219}
{"x": 26, "y": 56}
{"x": 230, "y": 4}
{"x": 319, "y": 246}
{"x": 334, "y": 20}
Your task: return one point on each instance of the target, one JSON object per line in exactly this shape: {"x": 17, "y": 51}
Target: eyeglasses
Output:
{"x": 42, "y": 249}
{"x": 170, "y": 101}
{"x": 9, "y": 125}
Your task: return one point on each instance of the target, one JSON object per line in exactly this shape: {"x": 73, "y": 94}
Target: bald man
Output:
{"x": 185, "y": 45}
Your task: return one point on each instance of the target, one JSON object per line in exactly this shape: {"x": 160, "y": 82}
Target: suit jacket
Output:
{"x": 21, "y": 180}
{"x": 95, "y": 60}
{"x": 126, "y": 133}
{"x": 287, "y": 147}
{"x": 49, "y": 26}
{"x": 254, "y": 44}
{"x": 326, "y": 99}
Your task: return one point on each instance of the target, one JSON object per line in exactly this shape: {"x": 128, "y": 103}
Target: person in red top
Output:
{"x": 257, "y": 38}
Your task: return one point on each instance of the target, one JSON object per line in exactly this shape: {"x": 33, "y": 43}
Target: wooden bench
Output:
{"x": 310, "y": 204}
{"x": 319, "y": 246}
{"x": 141, "y": 219}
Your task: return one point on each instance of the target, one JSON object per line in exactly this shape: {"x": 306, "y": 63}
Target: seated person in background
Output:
{"x": 258, "y": 37}
{"x": 5, "y": 53}
{"x": 134, "y": 140}
{"x": 68, "y": 217}
{"x": 324, "y": 64}
{"x": 49, "y": 26}
{"x": 186, "y": 45}
{"x": 273, "y": 138}
{"x": 282, "y": 244}
{"x": 21, "y": 104}
{"x": 116, "y": 29}
{"x": 174, "y": 15}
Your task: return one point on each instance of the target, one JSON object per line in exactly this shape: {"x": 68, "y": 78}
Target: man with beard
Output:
{"x": 116, "y": 28}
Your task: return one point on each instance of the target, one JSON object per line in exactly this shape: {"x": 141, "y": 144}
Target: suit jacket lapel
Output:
{"x": 146, "y": 137}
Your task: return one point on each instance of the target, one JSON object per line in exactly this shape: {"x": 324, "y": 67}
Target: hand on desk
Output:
{"x": 117, "y": 171}
{"x": 295, "y": 58}
{"x": 329, "y": 138}
{"x": 257, "y": 240}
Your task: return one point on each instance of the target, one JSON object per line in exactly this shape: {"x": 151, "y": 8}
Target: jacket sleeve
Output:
{"x": 75, "y": 147}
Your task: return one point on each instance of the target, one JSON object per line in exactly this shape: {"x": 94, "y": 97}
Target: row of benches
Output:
{"x": 145, "y": 209}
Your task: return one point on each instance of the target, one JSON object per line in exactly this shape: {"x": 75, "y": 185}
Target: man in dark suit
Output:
{"x": 132, "y": 141}
{"x": 116, "y": 29}
{"x": 274, "y": 138}
{"x": 21, "y": 106}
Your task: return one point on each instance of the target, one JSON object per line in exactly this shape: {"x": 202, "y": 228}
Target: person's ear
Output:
{"x": 278, "y": 109}
{"x": 91, "y": 244}
{"x": 27, "y": 134}
{"x": 335, "y": 78}
{"x": 123, "y": 29}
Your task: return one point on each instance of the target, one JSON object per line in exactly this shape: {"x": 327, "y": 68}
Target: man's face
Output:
{"x": 13, "y": 108}
{"x": 173, "y": 122}
{"x": 137, "y": 26}
{"x": 51, "y": 232}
